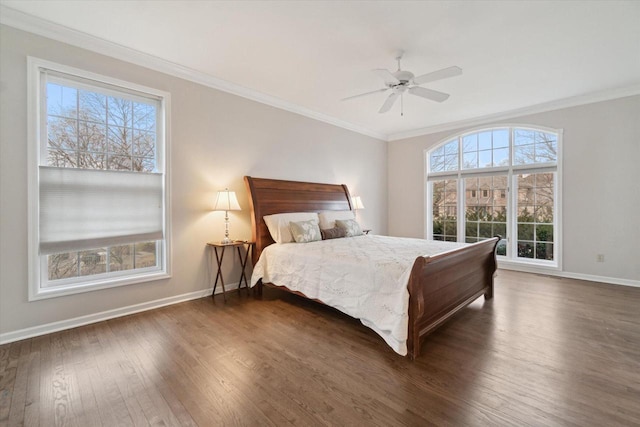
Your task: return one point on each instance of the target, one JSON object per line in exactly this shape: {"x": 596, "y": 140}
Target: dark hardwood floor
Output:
{"x": 545, "y": 351}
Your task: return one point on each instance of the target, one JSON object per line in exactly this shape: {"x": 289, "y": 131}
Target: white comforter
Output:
{"x": 365, "y": 277}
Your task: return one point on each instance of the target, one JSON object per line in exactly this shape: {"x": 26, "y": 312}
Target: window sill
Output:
{"x": 88, "y": 286}
{"x": 540, "y": 267}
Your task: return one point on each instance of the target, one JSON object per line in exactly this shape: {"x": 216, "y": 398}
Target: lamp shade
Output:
{"x": 226, "y": 201}
{"x": 357, "y": 202}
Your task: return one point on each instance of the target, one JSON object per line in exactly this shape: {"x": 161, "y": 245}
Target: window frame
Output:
{"x": 511, "y": 171}
{"x": 37, "y": 130}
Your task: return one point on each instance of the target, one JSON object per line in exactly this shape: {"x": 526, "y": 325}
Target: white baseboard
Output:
{"x": 61, "y": 325}
{"x": 602, "y": 279}
{"x": 48, "y": 328}
{"x": 578, "y": 276}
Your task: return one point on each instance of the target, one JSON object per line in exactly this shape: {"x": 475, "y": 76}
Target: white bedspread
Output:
{"x": 365, "y": 277}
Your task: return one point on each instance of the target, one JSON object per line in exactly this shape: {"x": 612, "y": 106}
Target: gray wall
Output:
{"x": 216, "y": 139}
{"x": 601, "y": 176}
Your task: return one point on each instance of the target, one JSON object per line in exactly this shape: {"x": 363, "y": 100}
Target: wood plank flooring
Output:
{"x": 545, "y": 351}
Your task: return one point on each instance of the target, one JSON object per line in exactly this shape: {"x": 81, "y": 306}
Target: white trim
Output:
{"x": 558, "y": 218}
{"x": 34, "y": 129}
{"x": 569, "y": 275}
{"x": 512, "y": 213}
{"x": 427, "y": 193}
{"x": 529, "y": 265}
{"x": 44, "y": 28}
{"x": 165, "y": 116}
{"x": 75, "y": 322}
{"x": 461, "y": 205}
{"x": 574, "y": 101}
{"x": 510, "y": 172}
{"x": 470, "y": 173}
{"x": 37, "y": 129}
{"x": 602, "y": 279}
{"x": 61, "y": 325}
{"x": 84, "y": 284}
{"x": 488, "y": 127}
{"x": 100, "y": 79}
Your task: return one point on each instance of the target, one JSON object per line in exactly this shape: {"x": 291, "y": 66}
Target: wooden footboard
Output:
{"x": 443, "y": 284}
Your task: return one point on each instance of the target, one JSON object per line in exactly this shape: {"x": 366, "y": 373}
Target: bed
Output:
{"x": 438, "y": 285}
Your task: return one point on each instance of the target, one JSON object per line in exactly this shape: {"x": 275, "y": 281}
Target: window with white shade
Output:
{"x": 498, "y": 181}
{"x": 98, "y": 181}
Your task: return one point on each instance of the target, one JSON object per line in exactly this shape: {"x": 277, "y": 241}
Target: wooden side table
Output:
{"x": 219, "y": 250}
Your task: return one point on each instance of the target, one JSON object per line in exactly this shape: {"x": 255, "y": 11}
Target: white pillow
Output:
{"x": 278, "y": 224}
{"x": 328, "y": 218}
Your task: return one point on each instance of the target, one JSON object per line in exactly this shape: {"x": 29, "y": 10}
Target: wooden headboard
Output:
{"x": 271, "y": 196}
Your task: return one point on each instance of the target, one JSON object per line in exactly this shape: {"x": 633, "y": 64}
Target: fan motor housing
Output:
{"x": 404, "y": 76}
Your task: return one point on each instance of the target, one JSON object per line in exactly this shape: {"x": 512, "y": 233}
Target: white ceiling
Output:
{"x": 514, "y": 54}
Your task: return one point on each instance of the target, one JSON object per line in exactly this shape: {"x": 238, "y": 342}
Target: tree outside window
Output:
{"x": 91, "y": 130}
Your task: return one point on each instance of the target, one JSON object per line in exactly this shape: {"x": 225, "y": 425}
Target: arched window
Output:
{"x": 498, "y": 181}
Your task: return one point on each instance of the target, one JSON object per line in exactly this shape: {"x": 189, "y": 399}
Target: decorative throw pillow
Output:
{"x": 333, "y": 233}
{"x": 350, "y": 226}
{"x": 305, "y": 231}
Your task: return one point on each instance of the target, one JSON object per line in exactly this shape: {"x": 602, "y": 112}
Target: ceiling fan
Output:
{"x": 404, "y": 81}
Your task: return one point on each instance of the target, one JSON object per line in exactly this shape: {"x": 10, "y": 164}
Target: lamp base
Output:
{"x": 226, "y": 241}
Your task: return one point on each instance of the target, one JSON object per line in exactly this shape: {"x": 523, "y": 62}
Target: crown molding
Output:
{"x": 533, "y": 109}
{"x": 29, "y": 23}
{"x": 44, "y": 28}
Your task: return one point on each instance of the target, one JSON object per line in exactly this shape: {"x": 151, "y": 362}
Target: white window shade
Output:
{"x": 86, "y": 209}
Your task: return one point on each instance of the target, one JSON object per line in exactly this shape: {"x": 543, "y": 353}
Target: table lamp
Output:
{"x": 226, "y": 201}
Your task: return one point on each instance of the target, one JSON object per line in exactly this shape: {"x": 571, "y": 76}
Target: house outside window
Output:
{"x": 98, "y": 182}
{"x": 515, "y": 171}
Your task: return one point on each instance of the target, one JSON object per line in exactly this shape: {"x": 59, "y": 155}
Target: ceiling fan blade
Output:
{"x": 389, "y": 102}
{"x": 386, "y": 75}
{"x": 431, "y": 94}
{"x": 445, "y": 73}
{"x": 365, "y": 94}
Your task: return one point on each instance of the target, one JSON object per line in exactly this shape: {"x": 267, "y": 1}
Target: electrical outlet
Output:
{"x": 600, "y": 258}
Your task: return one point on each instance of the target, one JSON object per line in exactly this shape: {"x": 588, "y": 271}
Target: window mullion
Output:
{"x": 44, "y": 135}
{"x": 556, "y": 215}
{"x": 430, "y": 210}
{"x": 512, "y": 226}
{"x": 78, "y": 128}
{"x": 459, "y": 155}
{"x": 461, "y": 195}
{"x": 78, "y": 263}
{"x": 511, "y": 205}
{"x": 461, "y": 209}
{"x": 106, "y": 129}
{"x": 131, "y": 136}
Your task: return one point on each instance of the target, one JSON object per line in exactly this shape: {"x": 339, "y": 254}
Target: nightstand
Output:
{"x": 219, "y": 250}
